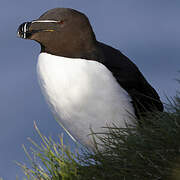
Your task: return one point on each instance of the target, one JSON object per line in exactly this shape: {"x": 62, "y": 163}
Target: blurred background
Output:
{"x": 145, "y": 31}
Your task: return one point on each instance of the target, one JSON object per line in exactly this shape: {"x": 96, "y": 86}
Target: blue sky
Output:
{"x": 146, "y": 31}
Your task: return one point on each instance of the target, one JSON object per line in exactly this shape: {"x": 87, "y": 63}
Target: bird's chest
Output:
{"x": 64, "y": 81}
{"x": 81, "y": 90}
{"x": 73, "y": 86}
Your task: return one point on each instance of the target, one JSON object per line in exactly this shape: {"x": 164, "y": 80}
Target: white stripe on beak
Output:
{"x": 25, "y": 30}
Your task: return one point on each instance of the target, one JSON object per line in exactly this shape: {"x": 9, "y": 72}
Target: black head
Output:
{"x": 61, "y": 31}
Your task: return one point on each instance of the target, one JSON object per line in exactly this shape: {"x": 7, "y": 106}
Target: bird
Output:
{"x": 87, "y": 84}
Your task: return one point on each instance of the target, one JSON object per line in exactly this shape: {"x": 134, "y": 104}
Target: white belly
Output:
{"x": 83, "y": 94}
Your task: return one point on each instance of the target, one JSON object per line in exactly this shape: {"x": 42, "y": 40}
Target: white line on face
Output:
{"x": 44, "y": 21}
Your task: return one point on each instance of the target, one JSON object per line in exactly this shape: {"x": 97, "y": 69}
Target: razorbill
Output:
{"x": 87, "y": 84}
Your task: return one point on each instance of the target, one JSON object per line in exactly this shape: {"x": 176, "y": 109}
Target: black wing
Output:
{"x": 144, "y": 96}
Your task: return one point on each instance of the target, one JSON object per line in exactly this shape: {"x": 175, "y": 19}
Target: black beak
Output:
{"x": 23, "y": 30}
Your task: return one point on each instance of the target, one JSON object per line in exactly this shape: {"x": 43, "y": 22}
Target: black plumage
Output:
{"x": 144, "y": 97}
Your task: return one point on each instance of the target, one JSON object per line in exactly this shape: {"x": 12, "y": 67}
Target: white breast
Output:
{"x": 83, "y": 94}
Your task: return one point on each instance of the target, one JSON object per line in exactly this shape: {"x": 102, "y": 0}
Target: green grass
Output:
{"x": 50, "y": 160}
{"x": 149, "y": 151}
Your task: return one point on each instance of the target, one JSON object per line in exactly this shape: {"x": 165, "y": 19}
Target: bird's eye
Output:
{"x": 61, "y": 22}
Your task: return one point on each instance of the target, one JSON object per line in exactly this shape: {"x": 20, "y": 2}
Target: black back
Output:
{"x": 144, "y": 97}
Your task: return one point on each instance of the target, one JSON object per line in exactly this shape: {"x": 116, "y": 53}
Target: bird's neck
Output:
{"x": 90, "y": 52}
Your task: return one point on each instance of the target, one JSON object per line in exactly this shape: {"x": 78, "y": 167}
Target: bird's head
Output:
{"x": 60, "y": 31}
